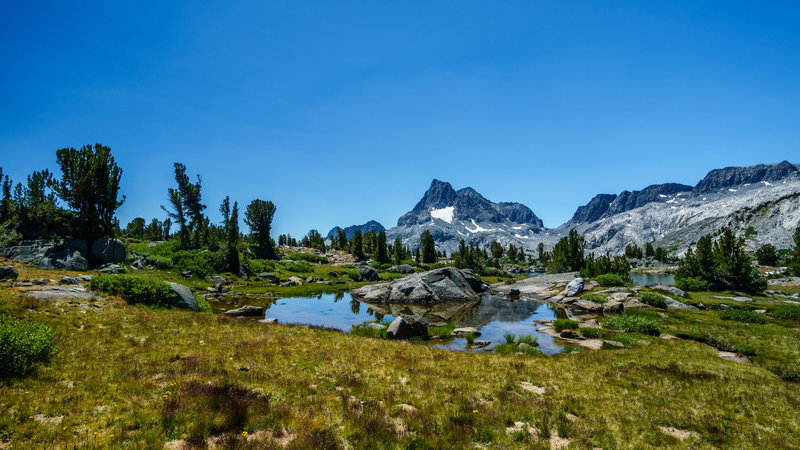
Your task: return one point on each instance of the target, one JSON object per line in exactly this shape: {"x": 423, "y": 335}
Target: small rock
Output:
{"x": 405, "y": 327}
{"x": 186, "y": 273}
{"x": 8, "y": 273}
{"x": 481, "y": 343}
{"x": 83, "y": 277}
{"x": 271, "y": 277}
{"x": 68, "y": 280}
{"x": 569, "y": 334}
{"x": 245, "y": 311}
{"x": 530, "y": 387}
{"x": 513, "y": 293}
{"x": 458, "y": 332}
{"x": 217, "y": 279}
{"x": 368, "y": 274}
{"x": 376, "y": 326}
{"x": 269, "y": 320}
{"x": 113, "y": 268}
{"x": 614, "y": 344}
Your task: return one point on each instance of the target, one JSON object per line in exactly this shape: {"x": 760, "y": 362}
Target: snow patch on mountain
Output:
{"x": 445, "y": 214}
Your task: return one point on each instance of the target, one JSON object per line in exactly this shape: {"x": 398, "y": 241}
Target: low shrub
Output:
{"x": 22, "y": 344}
{"x": 590, "y": 333}
{"x": 443, "y": 331}
{"x": 354, "y": 275}
{"x": 742, "y": 315}
{"x": 298, "y": 267}
{"x": 134, "y": 288}
{"x": 561, "y": 324}
{"x": 653, "y": 299}
{"x": 201, "y": 263}
{"x": 161, "y": 262}
{"x": 610, "y": 279}
{"x": 470, "y": 337}
{"x": 692, "y": 284}
{"x": 309, "y": 257}
{"x": 530, "y": 340}
{"x": 510, "y": 338}
{"x": 595, "y": 298}
{"x": 632, "y": 324}
{"x": 492, "y": 272}
{"x": 790, "y": 312}
{"x": 506, "y": 349}
{"x": 261, "y": 265}
{"x": 202, "y": 303}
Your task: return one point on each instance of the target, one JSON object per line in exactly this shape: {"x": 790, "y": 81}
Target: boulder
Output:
{"x": 65, "y": 260}
{"x": 184, "y": 299}
{"x": 674, "y": 304}
{"x": 368, "y": 274}
{"x": 405, "y": 327}
{"x": 296, "y": 280}
{"x": 83, "y": 277}
{"x": 245, "y": 311}
{"x": 445, "y": 284}
{"x": 217, "y": 279}
{"x": 271, "y": 277}
{"x": 68, "y": 280}
{"x": 8, "y": 273}
{"x": 513, "y": 292}
{"x": 573, "y": 288}
{"x": 570, "y": 334}
{"x": 402, "y": 268}
{"x": 586, "y": 306}
{"x": 669, "y": 289}
{"x": 106, "y": 250}
{"x": 481, "y": 343}
{"x": 612, "y": 307}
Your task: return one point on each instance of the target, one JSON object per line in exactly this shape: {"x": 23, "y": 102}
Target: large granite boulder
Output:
{"x": 445, "y": 284}
{"x": 65, "y": 260}
{"x": 246, "y": 311}
{"x": 368, "y": 274}
{"x": 183, "y": 299}
{"x": 405, "y": 327}
{"x": 573, "y": 288}
{"x": 107, "y": 250}
{"x": 8, "y": 273}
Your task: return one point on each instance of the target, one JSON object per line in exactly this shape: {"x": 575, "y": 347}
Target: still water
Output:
{"x": 493, "y": 316}
{"x": 646, "y": 279}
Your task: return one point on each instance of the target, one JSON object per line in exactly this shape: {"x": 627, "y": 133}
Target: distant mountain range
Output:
{"x": 765, "y": 197}
{"x": 349, "y": 231}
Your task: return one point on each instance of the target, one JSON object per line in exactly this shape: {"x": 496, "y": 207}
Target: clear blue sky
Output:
{"x": 341, "y": 112}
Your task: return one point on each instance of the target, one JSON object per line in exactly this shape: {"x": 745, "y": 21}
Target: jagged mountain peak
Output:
{"x": 365, "y": 228}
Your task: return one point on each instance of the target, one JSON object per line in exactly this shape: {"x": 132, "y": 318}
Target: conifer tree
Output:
{"x": 232, "y": 229}
{"x": 258, "y": 216}
{"x": 381, "y": 255}
{"x": 428, "y": 247}
{"x": 356, "y": 246}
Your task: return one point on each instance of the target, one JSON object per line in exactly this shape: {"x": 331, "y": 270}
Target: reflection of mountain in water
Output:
{"x": 475, "y": 314}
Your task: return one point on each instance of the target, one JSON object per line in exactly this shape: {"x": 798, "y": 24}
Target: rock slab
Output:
{"x": 445, "y": 284}
{"x": 405, "y": 327}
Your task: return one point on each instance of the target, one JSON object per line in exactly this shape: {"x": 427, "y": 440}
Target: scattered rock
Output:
{"x": 669, "y": 289}
{"x": 41, "y": 281}
{"x": 405, "y": 327}
{"x": 586, "y": 306}
{"x": 612, "y": 307}
{"x": 680, "y": 435}
{"x": 217, "y": 279}
{"x": 513, "y": 293}
{"x": 733, "y": 357}
{"x": 620, "y": 296}
{"x": 616, "y": 344}
{"x": 68, "y": 280}
{"x": 186, "y": 273}
{"x": 406, "y": 408}
{"x": 270, "y": 320}
{"x": 8, "y": 273}
{"x": 63, "y": 292}
{"x": 245, "y": 311}
{"x": 481, "y": 343}
{"x": 673, "y": 304}
{"x": 570, "y": 334}
{"x": 183, "y": 299}
{"x": 376, "y": 326}
{"x": 573, "y": 288}
{"x": 530, "y": 387}
{"x": 113, "y": 268}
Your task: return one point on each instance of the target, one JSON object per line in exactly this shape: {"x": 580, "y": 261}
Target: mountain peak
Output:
{"x": 728, "y": 177}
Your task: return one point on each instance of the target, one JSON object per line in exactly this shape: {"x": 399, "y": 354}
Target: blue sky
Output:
{"x": 341, "y": 112}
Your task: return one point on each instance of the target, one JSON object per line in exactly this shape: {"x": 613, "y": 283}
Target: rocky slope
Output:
{"x": 765, "y": 197}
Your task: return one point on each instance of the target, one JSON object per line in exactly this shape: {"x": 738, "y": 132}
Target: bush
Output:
{"x": 530, "y": 340}
{"x": 610, "y": 279}
{"x": 491, "y": 272}
{"x": 595, "y": 298}
{"x": 162, "y": 262}
{"x": 22, "y": 344}
{"x": 791, "y": 312}
{"x": 742, "y": 315}
{"x": 590, "y": 333}
{"x": 562, "y": 324}
{"x": 200, "y": 263}
{"x": 298, "y": 267}
{"x": 202, "y": 303}
{"x": 653, "y": 299}
{"x": 632, "y": 324}
{"x": 134, "y": 289}
{"x": 692, "y": 284}
{"x": 310, "y": 257}
{"x": 261, "y": 265}
{"x": 510, "y": 338}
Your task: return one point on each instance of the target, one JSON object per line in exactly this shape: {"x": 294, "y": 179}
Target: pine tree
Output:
{"x": 341, "y": 238}
{"x": 232, "y": 228}
{"x": 381, "y": 255}
{"x": 428, "y": 247}
{"x": 258, "y": 216}
{"x": 399, "y": 253}
{"x": 649, "y": 251}
{"x": 356, "y": 246}
{"x": 90, "y": 186}
{"x": 497, "y": 250}
{"x": 794, "y": 255}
